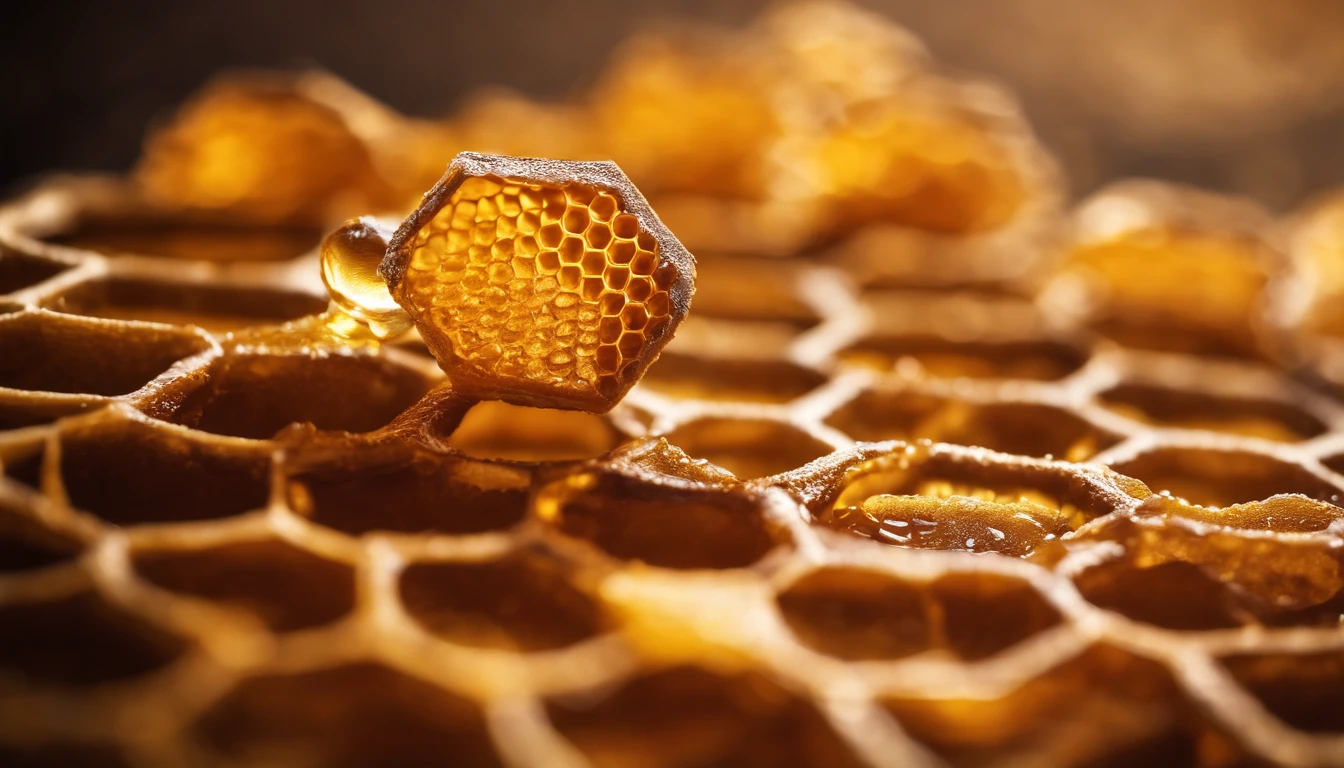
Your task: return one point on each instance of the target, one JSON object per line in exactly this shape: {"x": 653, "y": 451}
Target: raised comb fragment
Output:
{"x": 539, "y": 282}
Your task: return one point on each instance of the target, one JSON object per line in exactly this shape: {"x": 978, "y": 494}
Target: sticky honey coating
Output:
{"x": 550, "y": 293}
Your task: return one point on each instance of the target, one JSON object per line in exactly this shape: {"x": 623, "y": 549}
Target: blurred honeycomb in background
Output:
{"x": 943, "y": 468}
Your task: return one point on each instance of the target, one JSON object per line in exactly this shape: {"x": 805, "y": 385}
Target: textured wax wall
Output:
{"x": 1235, "y": 94}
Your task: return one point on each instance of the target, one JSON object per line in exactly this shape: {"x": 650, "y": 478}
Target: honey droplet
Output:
{"x": 350, "y": 259}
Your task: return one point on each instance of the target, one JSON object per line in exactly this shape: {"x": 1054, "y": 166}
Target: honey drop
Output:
{"x": 350, "y": 259}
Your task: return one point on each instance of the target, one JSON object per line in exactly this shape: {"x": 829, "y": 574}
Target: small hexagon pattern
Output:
{"x": 540, "y": 282}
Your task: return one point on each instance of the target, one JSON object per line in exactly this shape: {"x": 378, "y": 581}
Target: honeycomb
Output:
{"x": 964, "y": 480}
{"x": 541, "y": 283}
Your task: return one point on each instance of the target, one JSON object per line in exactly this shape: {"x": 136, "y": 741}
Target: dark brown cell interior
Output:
{"x": 62, "y": 756}
{"x": 358, "y": 715}
{"x": 687, "y": 716}
{"x": 1026, "y": 429}
{"x": 1223, "y": 478}
{"x": 1082, "y": 712}
{"x": 80, "y": 640}
{"x": 51, "y": 354}
{"x": 730, "y": 379}
{"x": 667, "y": 527}
{"x": 749, "y": 448}
{"x": 496, "y": 430}
{"x": 857, "y": 614}
{"x": 203, "y": 242}
{"x": 256, "y": 396}
{"x": 405, "y": 493}
{"x": 130, "y": 473}
{"x": 214, "y": 307}
{"x": 19, "y": 270}
{"x": 283, "y": 586}
{"x": 521, "y": 603}
{"x": 1305, "y": 691}
{"x": 26, "y": 544}
{"x": 1262, "y": 418}
{"x": 946, "y": 359}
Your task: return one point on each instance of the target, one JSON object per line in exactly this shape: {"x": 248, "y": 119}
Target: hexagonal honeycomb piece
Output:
{"x": 540, "y": 282}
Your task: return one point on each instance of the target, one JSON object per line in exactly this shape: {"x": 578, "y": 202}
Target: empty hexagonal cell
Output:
{"x": 670, "y": 526}
{"x": 686, "y": 716}
{"x": 946, "y": 359}
{"x": 54, "y": 642}
{"x": 26, "y": 544}
{"x": 1220, "y": 478}
{"x": 1265, "y": 419}
{"x": 407, "y": 491}
{"x": 524, "y": 602}
{"x": 1081, "y": 712}
{"x": 20, "y": 270}
{"x": 857, "y": 614}
{"x": 188, "y": 240}
{"x": 55, "y": 353}
{"x": 1028, "y": 429}
{"x": 348, "y": 716}
{"x": 720, "y": 283}
{"x": 495, "y": 430}
{"x": 258, "y": 395}
{"x": 285, "y": 587}
{"x": 749, "y": 448}
{"x": 218, "y": 308}
{"x": 942, "y": 497}
{"x": 128, "y": 473}
{"x": 1173, "y": 576}
{"x": 732, "y": 379}
{"x": 1305, "y": 690}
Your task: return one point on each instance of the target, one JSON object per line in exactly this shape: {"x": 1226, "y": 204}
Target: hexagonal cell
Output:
{"x": 1221, "y": 478}
{"x": 57, "y": 353}
{"x": 258, "y": 395}
{"x": 188, "y": 240}
{"x": 1081, "y": 712}
{"x": 856, "y": 614}
{"x": 1305, "y": 691}
{"x": 407, "y": 491}
{"x": 749, "y": 448}
{"x": 349, "y": 716}
{"x": 496, "y": 430}
{"x": 523, "y": 602}
{"x": 26, "y": 544}
{"x": 946, "y": 497}
{"x": 218, "y": 308}
{"x": 51, "y": 642}
{"x": 666, "y": 525}
{"x": 711, "y": 378}
{"x": 285, "y": 587}
{"x": 1028, "y": 429}
{"x": 129, "y": 473}
{"x": 1174, "y": 576}
{"x": 946, "y": 359}
{"x": 719, "y": 283}
{"x": 1265, "y": 419}
{"x": 983, "y": 613}
{"x": 19, "y": 270}
{"x": 686, "y": 716}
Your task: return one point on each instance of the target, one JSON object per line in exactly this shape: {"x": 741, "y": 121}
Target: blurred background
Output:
{"x": 1239, "y": 95}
